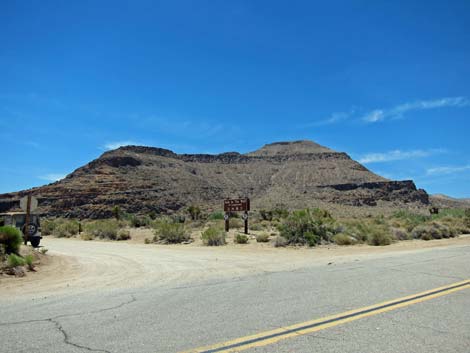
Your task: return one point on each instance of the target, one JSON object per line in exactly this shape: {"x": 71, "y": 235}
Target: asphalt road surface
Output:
{"x": 111, "y": 297}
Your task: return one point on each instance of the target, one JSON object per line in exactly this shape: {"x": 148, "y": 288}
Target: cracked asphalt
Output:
{"x": 185, "y": 310}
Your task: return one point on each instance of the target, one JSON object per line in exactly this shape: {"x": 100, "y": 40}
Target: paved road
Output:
{"x": 175, "y": 316}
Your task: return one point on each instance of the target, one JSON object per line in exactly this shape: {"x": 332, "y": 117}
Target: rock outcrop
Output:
{"x": 141, "y": 179}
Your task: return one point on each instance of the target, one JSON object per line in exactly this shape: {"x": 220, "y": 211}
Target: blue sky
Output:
{"x": 387, "y": 82}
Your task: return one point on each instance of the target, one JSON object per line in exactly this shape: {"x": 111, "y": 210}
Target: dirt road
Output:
{"x": 78, "y": 266}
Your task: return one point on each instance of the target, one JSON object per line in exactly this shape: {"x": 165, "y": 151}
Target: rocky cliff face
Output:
{"x": 143, "y": 179}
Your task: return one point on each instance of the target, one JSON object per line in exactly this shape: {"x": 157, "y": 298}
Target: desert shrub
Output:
{"x": 170, "y": 232}
{"x": 123, "y": 234}
{"x": 280, "y": 241}
{"x": 373, "y": 231}
{"x": 401, "y": 234}
{"x": 14, "y": 260}
{"x": 11, "y": 238}
{"x": 66, "y": 228}
{"x": 148, "y": 241}
{"x": 103, "y": 229}
{"x": 213, "y": 236}
{"x": 48, "y": 226}
{"x": 44, "y": 251}
{"x": 307, "y": 227}
{"x": 139, "y": 221}
{"x": 408, "y": 220}
{"x": 214, "y": 216}
{"x": 344, "y": 239}
{"x": 117, "y": 213}
{"x": 256, "y": 226}
{"x": 280, "y": 212}
{"x": 262, "y": 238}
{"x": 194, "y": 212}
{"x": 87, "y": 236}
{"x": 240, "y": 239}
{"x": 153, "y": 215}
{"x": 29, "y": 259}
{"x": 433, "y": 230}
{"x": 236, "y": 223}
{"x": 266, "y": 215}
{"x": 467, "y": 218}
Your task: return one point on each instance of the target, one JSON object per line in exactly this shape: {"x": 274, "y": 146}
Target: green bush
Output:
{"x": 44, "y": 251}
{"x": 138, "y": 221}
{"x": 103, "y": 229}
{"x": 48, "y": 226}
{"x": 262, "y": 238}
{"x": 14, "y": 260}
{"x": 216, "y": 216}
{"x": 266, "y": 215}
{"x": 170, "y": 232}
{"x": 66, "y": 229}
{"x": 194, "y": 212}
{"x": 240, "y": 239}
{"x": 307, "y": 227}
{"x": 29, "y": 259}
{"x": 213, "y": 236}
{"x": 408, "y": 220}
{"x": 11, "y": 238}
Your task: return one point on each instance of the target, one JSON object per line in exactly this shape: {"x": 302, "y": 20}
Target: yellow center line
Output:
{"x": 273, "y": 336}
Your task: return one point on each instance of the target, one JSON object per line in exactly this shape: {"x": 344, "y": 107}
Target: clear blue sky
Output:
{"x": 386, "y": 81}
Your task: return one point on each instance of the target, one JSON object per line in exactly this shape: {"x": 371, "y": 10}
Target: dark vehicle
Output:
{"x": 31, "y": 231}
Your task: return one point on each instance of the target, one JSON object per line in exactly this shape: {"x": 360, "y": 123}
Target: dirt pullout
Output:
{"x": 77, "y": 266}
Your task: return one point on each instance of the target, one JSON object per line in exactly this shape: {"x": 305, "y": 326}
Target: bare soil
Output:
{"x": 75, "y": 266}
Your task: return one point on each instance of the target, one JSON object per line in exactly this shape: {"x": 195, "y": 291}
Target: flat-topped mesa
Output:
{"x": 142, "y": 179}
{"x": 290, "y": 148}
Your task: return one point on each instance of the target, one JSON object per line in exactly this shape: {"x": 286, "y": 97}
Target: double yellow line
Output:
{"x": 273, "y": 336}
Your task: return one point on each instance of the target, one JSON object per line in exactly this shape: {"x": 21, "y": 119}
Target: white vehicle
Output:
{"x": 31, "y": 231}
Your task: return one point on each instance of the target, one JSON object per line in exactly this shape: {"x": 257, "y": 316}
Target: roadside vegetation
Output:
{"x": 278, "y": 227}
{"x": 15, "y": 259}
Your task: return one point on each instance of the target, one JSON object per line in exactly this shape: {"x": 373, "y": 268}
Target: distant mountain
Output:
{"x": 442, "y": 200}
{"x": 141, "y": 179}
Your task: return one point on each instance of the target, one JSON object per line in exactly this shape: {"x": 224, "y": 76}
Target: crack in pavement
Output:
{"x": 67, "y": 341}
{"x": 132, "y": 300}
{"x": 58, "y": 326}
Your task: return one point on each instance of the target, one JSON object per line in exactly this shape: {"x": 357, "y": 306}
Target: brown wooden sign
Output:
{"x": 234, "y": 205}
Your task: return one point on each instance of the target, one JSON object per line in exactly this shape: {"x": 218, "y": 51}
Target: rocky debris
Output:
{"x": 17, "y": 271}
{"x": 142, "y": 179}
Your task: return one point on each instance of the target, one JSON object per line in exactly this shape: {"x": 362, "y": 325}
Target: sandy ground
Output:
{"x": 75, "y": 265}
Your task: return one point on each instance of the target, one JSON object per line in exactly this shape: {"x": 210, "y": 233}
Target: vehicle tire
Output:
{"x": 35, "y": 242}
{"x": 31, "y": 228}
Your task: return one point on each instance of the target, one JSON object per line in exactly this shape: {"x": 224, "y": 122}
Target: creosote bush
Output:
{"x": 103, "y": 229}
{"x": 240, "y": 239}
{"x": 123, "y": 234}
{"x": 433, "y": 230}
{"x": 213, "y": 236}
{"x": 11, "y": 239}
{"x": 65, "y": 228}
{"x": 307, "y": 227}
{"x": 170, "y": 232}
{"x": 14, "y": 260}
{"x": 262, "y": 238}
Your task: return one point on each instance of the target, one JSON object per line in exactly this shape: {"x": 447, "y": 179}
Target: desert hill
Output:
{"x": 141, "y": 179}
